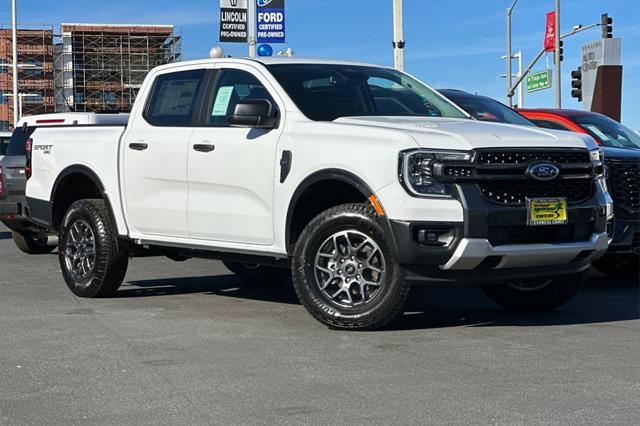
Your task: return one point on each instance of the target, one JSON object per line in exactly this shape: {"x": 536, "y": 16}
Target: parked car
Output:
{"x": 621, "y": 147}
{"x": 360, "y": 179}
{"x": 4, "y": 143}
{"x": 484, "y": 108}
{"x": 14, "y": 211}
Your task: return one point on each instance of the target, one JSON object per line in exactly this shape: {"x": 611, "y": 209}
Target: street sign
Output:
{"x": 271, "y": 21}
{"x": 233, "y": 21}
{"x": 539, "y": 81}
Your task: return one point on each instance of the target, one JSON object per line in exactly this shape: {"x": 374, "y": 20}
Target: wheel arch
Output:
{"x": 85, "y": 184}
{"x": 303, "y": 207}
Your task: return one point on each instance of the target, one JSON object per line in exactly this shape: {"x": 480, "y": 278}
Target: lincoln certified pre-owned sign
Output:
{"x": 233, "y": 21}
{"x": 271, "y": 21}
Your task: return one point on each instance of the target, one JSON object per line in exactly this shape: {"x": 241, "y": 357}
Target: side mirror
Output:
{"x": 257, "y": 114}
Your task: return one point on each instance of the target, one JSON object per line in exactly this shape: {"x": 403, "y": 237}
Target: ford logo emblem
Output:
{"x": 543, "y": 171}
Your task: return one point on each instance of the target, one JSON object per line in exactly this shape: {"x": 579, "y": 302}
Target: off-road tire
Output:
{"x": 111, "y": 254}
{"x": 29, "y": 243}
{"x": 379, "y": 311}
{"x": 619, "y": 266}
{"x": 258, "y": 275}
{"x": 556, "y": 293}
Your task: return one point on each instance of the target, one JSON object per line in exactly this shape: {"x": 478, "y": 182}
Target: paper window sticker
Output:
{"x": 221, "y": 104}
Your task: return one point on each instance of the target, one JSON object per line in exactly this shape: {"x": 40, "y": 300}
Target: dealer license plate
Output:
{"x": 546, "y": 211}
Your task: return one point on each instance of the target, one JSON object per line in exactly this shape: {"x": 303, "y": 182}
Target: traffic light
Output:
{"x": 561, "y": 52}
{"x": 576, "y": 84}
{"x": 607, "y": 27}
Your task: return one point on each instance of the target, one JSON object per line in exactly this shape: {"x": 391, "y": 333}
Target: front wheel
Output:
{"x": 343, "y": 272}
{"x": 536, "y": 294}
{"x": 30, "y": 243}
{"x": 92, "y": 259}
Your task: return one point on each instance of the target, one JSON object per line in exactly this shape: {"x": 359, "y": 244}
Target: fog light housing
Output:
{"x": 435, "y": 237}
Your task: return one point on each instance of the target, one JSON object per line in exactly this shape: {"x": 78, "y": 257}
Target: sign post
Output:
{"x": 604, "y": 51}
{"x": 233, "y": 21}
{"x": 271, "y": 21}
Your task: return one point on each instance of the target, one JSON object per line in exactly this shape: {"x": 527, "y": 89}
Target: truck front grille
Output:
{"x": 624, "y": 186}
{"x": 515, "y": 193}
{"x": 520, "y": 157}
{"x": 510, "y": 186}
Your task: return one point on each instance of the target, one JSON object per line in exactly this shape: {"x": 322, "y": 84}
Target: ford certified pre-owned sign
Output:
{"x": 271, "y": 21}
{"x": 233, "y": 21}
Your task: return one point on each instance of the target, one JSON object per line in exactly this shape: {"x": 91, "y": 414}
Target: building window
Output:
{"x": 4, "y": 126}
{"x": 4, "y": 66}
{"x": 3, "y": 99}
{"x": 78, "y": 98}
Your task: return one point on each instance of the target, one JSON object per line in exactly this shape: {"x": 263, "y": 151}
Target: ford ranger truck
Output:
{"x": 356, "y": 180}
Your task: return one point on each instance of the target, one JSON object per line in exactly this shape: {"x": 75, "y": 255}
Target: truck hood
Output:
{"x": 621, "y": 153}
{"x": 467, "y": 134}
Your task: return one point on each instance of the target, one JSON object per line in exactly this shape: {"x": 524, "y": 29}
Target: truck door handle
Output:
{"x": 138, "y": 146}
{"x": 203, "y": 147}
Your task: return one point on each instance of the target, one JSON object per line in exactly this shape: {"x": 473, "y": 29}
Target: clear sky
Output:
{"x": 450, "y": 43}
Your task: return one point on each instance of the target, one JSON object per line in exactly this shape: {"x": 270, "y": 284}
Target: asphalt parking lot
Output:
{"x": 182, "y": 343}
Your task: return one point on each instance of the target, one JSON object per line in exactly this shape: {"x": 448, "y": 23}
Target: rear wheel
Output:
{"x": 343, "y": 272}
{"x": 254, "y": 275}
{"x": 30, "y": 243}
{"x": 92, "y": 259}
{"x": 536, "y": 294}
{"x": 619, "y": 266}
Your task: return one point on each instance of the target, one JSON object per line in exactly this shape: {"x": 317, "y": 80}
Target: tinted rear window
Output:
{"x": 486, "y": 109}
{"x": 18, "y": 140}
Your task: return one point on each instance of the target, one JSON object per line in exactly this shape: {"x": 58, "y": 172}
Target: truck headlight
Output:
{"x": 417, "y": 171}
{"x": 597, "y": 159}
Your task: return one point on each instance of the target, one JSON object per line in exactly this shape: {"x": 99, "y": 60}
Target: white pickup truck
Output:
{"x": 360, "y": 179}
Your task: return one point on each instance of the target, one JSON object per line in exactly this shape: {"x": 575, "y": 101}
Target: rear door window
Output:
{"x": 174, "y": 98}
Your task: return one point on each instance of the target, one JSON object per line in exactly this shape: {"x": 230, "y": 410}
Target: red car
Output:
{"x": 621, "y": 147}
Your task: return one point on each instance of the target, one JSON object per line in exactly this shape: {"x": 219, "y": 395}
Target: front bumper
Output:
{"x": 472, "y": 252}
{"x": 494, "y": 242}
{"x": 626, "y": 237}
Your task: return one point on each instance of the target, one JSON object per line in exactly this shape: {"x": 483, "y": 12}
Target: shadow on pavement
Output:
{"x": 219, "y": 285}
{"x": 603, "y": 300}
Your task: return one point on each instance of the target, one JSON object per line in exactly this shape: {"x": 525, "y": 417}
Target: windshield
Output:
{"x": 609, "y": 132}
{"x": 325, "y": 92}
{"x": 487, "y": 109}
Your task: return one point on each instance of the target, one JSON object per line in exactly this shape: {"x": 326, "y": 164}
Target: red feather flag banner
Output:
{"x": 550, "y": 33}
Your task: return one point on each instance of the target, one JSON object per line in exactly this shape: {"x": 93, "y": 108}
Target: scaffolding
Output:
{"x": 36, "y": 73}
{"x": 102, "y": 67}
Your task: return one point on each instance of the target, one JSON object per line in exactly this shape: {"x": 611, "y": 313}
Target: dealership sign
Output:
{"x": 233, "y": 21}
{"x": 270, "y": 21}
{"x": 539, "y": 81}
{"x": 604, "y": 51}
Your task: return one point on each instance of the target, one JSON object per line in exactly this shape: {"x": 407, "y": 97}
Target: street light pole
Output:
{"x": 509, "y": 56}
{"x": 398, "y": 35}
{"x": 558, "y": 70}
{"x": 14, "y": 23}
{"x": 252, "y": 28}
